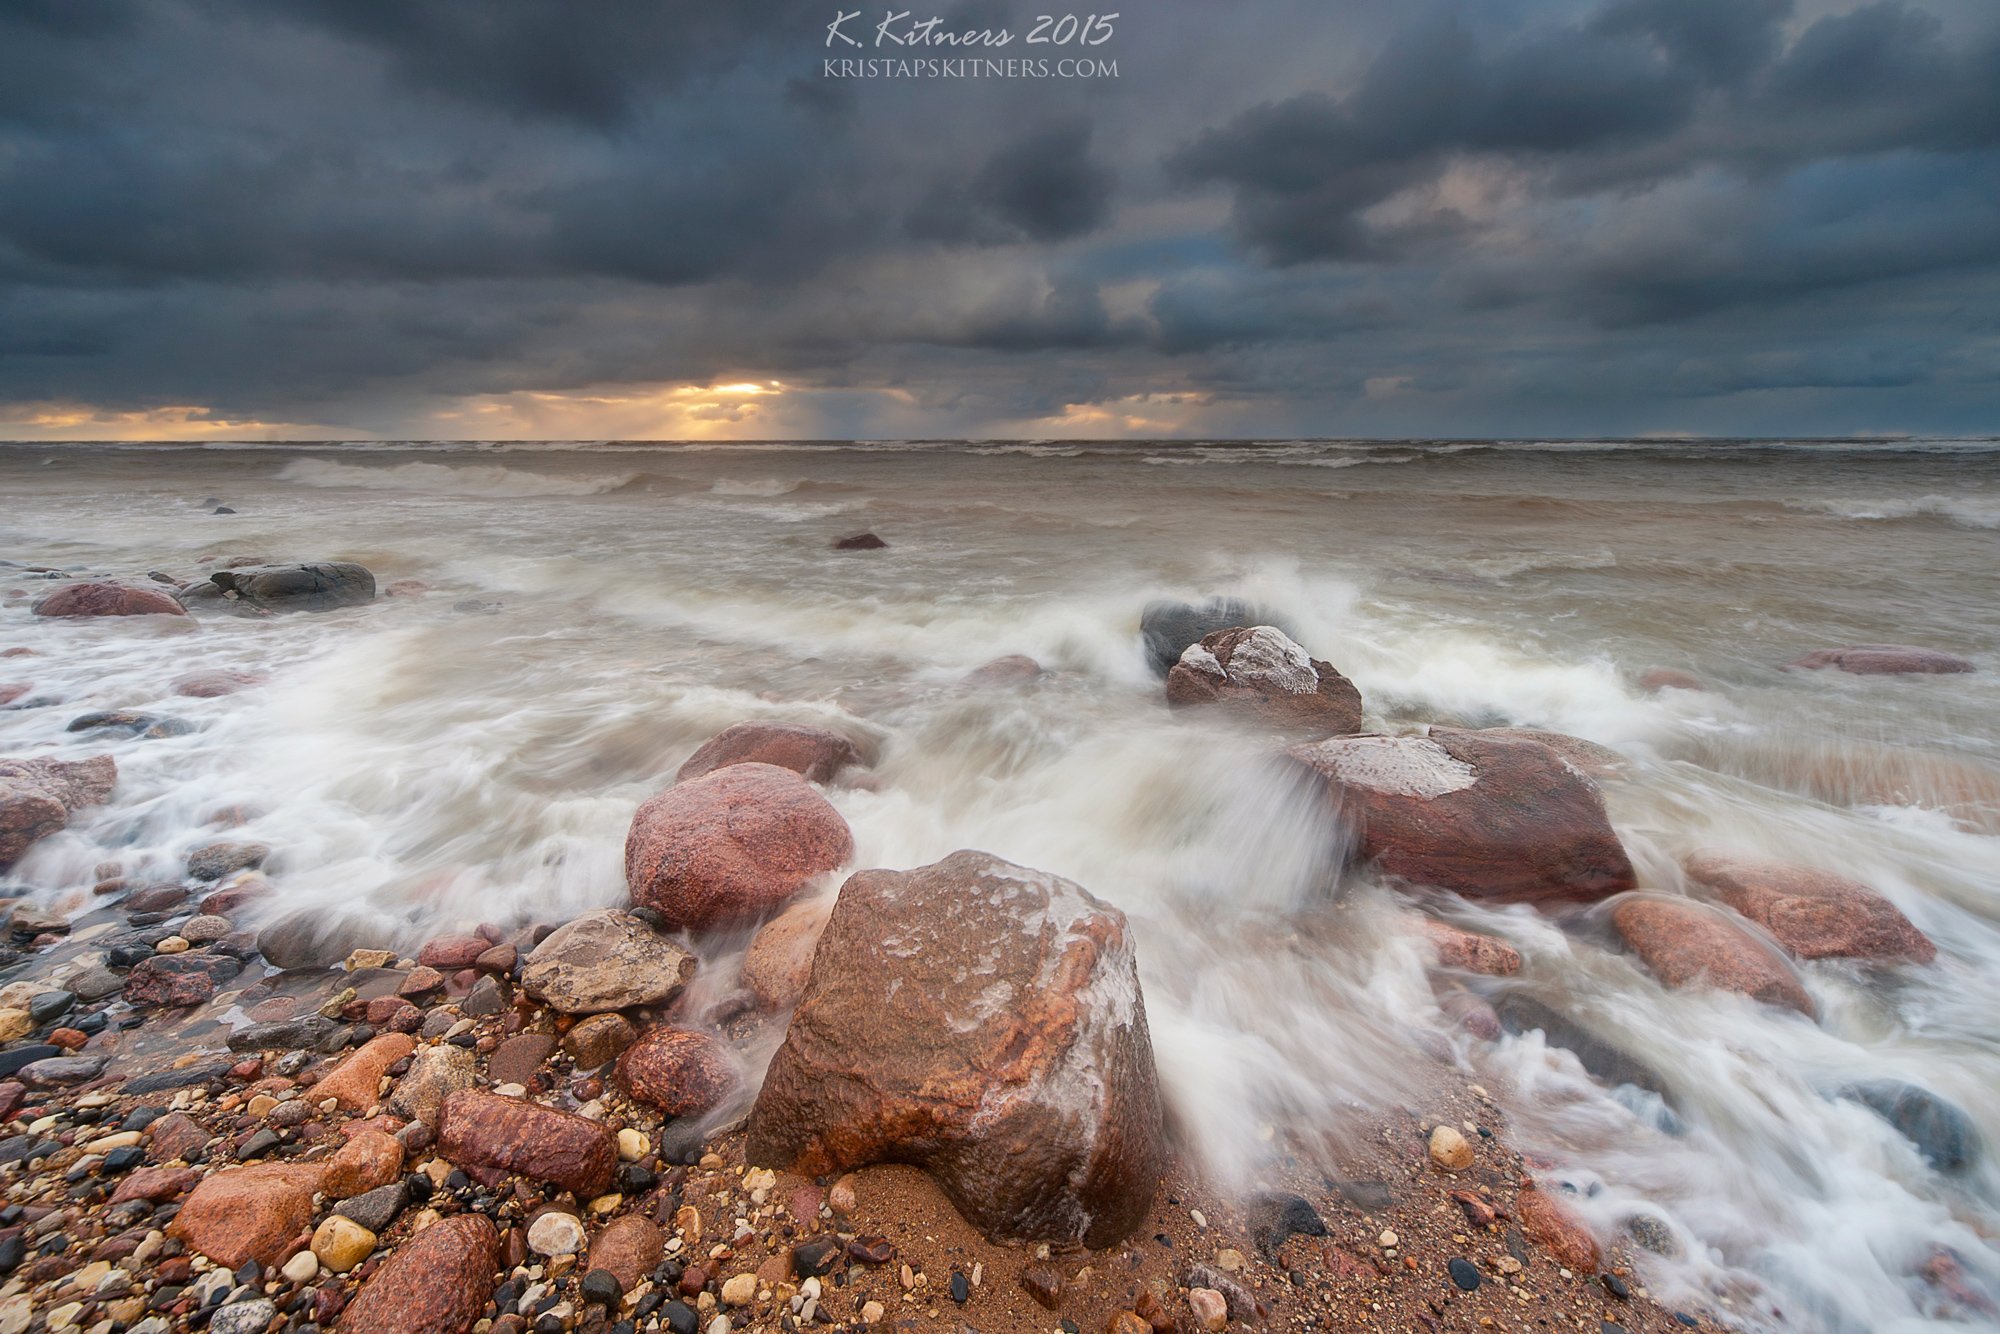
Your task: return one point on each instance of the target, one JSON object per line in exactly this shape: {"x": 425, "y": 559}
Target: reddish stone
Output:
{"x": 1592, "y": 759}
{"x": 681, "y": 1072}
{"x": 13, "y": 690}
{"x": 519, "y": 1059}
{"x": 248, "y": 1213}
{"x": 214, "y": 684}
{"x": 437, "y": 1282}
{"x": 248, "y": 1069}
{"x": 383, "y": 1008}
{"x": 982, "y": 1021}
{"x": 155, "y": 1185}
{"x": 450, "y": 953}
{"x": 1689, "y": 945}
{"x": 422, "y": 981}
{"x": 1014, "y": 669}
{"x": 629, "y": 1247}
{"x": 598, "y": 1039}
{"x": 1882, "y": 660}
{"x": 1656, "y": 679}
{"x": 12, "y": 1094}
{"x": 779, "y": 960}
{"x": 407, "y": 588}
{"x": 813, "y": 752}
{"x": 108, "y": 599}
{"x": 1257, "y": 670}
{"x": 1470, "y": 951}
{"x": 357, "y": 1082}
{"x": 498, "y": 959}
{"x": 38, "y": 796}
{"x": 372, "y": 1157}
{"x": 225, "y": 902}
{"x": 491, "y": 1136}
{"x": 1813, "y": 913}
{"x": 174, "y": 981}
{"x": 1557, "y": 1230}
{"x": 731, "y": 846}
{"x": 69, "y": 1039}
{"x": 176, "y": 1135}
{"x": 1494, "y": 818}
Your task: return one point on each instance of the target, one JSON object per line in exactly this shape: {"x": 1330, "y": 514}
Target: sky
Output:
{"x": 668, "y": 219}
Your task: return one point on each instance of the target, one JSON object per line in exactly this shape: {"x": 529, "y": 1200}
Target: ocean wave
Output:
{"x": 1964, "y": 511}
{"x": 495, "y": 481}
{"x": 755, "y": 486}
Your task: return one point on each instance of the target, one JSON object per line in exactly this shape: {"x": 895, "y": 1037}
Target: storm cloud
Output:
{"x": 1281, "y": 217}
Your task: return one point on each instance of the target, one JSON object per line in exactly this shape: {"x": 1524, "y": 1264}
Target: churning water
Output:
{"x": 597, "y": 610}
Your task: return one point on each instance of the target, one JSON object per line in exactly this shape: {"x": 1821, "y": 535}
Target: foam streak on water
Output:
{"x": 597, "y": 610}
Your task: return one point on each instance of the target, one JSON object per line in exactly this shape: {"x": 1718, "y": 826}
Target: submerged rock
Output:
{"x": 1688, "y": 945}
{"x": 859, "y": 542}
{"x": 1943, "y": 1134}
{"x": 38, "y": 797}
{"x": 730, "y": 847}
{"x": 1496, "y": 818}
{"x": 1882, "y": 660}
{"x": 982, "y": 1021}
{"x": 606, "y": 960}
{"x": 1813, "y": 913}
{"x": 816, "y": 753}
{"x": 106, "y": 598}
{"x": 1169, "y": 628}
{"x": 318, "y": 938}
{"x": 1656, "y": 679}
{"x": 1594, "y": 760}
{"x": 1470, "y": 951}
{"x": 1258, "y": 670}
{"x": 317, "y": 586}
{"x": 130, "y": 722}
{"x": 215, "y": 683}
{"x": 1012, "y": 670}
{"x": 1602, "y": 1058}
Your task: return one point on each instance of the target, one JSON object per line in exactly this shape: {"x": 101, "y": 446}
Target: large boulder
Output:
{"x": 1882, "y": 660}
{"x": 1813, "y": 913}
{"x": 814, "y": 752}
{"x": 314, "y": 586}
{"x": 38, "y": 796}
{"x": 984, "y": 1022}
{"x": 732, "y": 846}
{"x": 1493, "y": 817}
{"x": 1687, "y": 944}
{"x": 108, "y": 599}
{"x": 437, "y": 1282}
{"x": 1257, "y": 670}
{"x": 603, "y": 961}
{"x": 1169, "y": 627}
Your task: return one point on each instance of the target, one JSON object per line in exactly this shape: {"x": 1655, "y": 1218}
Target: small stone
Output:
{"x": 301, "y": 1268}
{"x": 602, "y": 1287}
{"x": 872, "y": 1313}
{"x": 961, "y": 1290}
{"x": 556, "y": 1233}
{"x": 341, "y": 1243}
{"x": 1387, "y": 1241}
{"x": 1043, "y": 1283}
{"x": 1450, "y": 1150}
{"x": 172, "y": 945}
{"x": 251, "y": 1317}
{"x": 740, "y": 1290}
{"x": 1464, "y": 1274}
{"x": 1211, "y": 1310}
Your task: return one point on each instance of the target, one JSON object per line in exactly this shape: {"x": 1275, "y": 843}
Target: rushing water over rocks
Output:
{"x": 560, "y": 630}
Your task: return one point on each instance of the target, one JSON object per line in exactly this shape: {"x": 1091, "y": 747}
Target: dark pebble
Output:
{"x": 1464, "y": 1274}
{"x": 810, "y": 1259}
{"x": 1616, "y": 1287}
{"x": 961, "y": 1289}
{"x": 602, "y": 1286}
{"x": 124, "y": 1159}
{"x": 680, "y": 1318}
{"x": 1610, "y": 1327}
{"x": 1687, "y": 1320}
{"x": 872, "y": 1250}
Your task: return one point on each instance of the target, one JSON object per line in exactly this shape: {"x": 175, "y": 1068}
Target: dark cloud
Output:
{"x": 1414, "y": 215}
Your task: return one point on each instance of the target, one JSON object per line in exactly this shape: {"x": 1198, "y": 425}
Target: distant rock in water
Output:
{"x": 1656, "y": 679}
{"x": 108, "y": 599}
{"x": 983, "y": 1021}
{"x": 1602, "y": 1058}
{"x": 816, "y": 753}
{"x": 125, "y": 722}
{"x": 1687, "y": 944}
{"x": 731, "y": 846}
{"x": 215, "y": 683}
{"x": 1943, "y": 1134}
{"x": 1259, "y": 671}
{"x": 1813, "y": 913}
{"x": 38, "y": 797}
{"x": 1494, "y": 817}
{"x": 859, "y": 542}
{"x": 1595, "y": 760}
{"x": 1169, "y": 628}
{"x": 1882, "y": 660}
{"x": 1014, "y": 669}
{"x": 318, "y": 586}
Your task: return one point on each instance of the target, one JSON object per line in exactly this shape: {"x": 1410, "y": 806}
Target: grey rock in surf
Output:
{"x": 312, "y": 586}
{"x": 1169, "y": 627}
